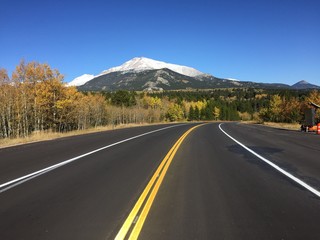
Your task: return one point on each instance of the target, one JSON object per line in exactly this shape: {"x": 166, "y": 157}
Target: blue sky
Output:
{"x": 250, "y": 40}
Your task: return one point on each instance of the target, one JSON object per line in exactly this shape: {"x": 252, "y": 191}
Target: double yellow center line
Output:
{"x": 134, "y": 222}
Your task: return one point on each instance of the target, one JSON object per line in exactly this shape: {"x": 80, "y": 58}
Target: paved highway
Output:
{"x": 221, "y": 181}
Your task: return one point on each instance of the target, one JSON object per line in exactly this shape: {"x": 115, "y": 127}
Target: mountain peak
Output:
{"x": 304, "y": 85}
{"x": 302, "y": 82}
{"x": 139, "y": 64}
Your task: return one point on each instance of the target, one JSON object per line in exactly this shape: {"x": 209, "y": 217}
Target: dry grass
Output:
{"x": 289, "y": 126}
{"x": 49, "y": 135}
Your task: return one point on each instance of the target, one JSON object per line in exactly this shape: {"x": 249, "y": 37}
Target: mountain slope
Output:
{"x": 164, "y": 79}
{"x": 81, "y": 80}
{"x": 149, "y": 79}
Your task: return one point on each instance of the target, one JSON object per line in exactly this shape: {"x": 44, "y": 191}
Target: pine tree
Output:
{"x": 196, "y": 113}
{"x": 191, "y": 114}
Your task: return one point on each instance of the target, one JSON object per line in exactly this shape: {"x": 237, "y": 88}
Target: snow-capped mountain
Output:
{"x": 81, "y": 80}
{"x": 139, "y": 64}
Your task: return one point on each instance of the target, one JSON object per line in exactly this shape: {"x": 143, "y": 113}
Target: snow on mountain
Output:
{"x": 81, "y": 80}
{"x": 139, "y": 64}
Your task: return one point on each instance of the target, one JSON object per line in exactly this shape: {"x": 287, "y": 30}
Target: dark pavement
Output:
{"x": 214, "y": 188}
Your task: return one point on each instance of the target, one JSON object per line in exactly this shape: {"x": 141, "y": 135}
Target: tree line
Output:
{"x": 260, "y": 105}
{"x": 35, "y": 98}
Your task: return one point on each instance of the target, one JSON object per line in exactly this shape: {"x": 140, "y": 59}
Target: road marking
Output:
{"x": 15, "y": 182}
{"x": 147, "y": 197}
{"x": 289, "y": 175}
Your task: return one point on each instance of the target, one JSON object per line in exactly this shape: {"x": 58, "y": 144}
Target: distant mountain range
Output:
{"x": 147, "y": 74}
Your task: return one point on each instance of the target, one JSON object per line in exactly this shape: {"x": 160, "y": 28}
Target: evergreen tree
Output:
{"x": 123, "y": 98}
{"x": 191, "y": 114}
{"x": 196, "y": 113}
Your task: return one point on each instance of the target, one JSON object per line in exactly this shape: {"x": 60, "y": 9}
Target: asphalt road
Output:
{"x": 213, "y": 189}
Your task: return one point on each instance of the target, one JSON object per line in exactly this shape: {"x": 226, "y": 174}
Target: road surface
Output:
{"x": 85, "y": 187}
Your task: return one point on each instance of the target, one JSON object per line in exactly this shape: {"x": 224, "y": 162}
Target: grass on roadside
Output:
{"x": 289, "y": 126}
{"x": 50, "y": 135}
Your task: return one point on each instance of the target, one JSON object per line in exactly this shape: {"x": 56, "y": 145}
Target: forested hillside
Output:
{"x": 35, "y": 98}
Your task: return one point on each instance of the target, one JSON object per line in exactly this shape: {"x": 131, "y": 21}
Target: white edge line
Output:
{"x": 22, "y": 181}
{"x": 289, "y": 175}
{"x": 30, "y": 176}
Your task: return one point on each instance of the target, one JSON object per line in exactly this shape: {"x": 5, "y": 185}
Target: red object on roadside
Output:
{"x": 318, "y": 128}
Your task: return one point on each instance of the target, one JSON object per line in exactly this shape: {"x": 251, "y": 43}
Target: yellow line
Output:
{"x": 163, "y": 167}
{"x": 139, "y": 224}
{"x": 125, "y": 228}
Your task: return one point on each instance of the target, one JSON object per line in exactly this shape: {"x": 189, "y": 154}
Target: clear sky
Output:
{"x": 251, "y": 40}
